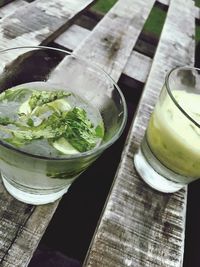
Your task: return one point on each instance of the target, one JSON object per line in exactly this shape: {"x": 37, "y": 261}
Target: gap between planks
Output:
{"x": 23, "y": 230}
{"x": 105, "y": 42}
{"x": 54, "y": 18}
{"x": 29, "y": 221}
{"x": 76, "y": 34}
{"x": 139, "y": 226}
{"x": 11, "y": 6}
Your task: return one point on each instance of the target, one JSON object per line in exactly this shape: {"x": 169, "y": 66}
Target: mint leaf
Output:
{"x": 80, "y": 131}
{"x": 99, "y": 131}
{"x": 30, "y": 122}
{"x": 62, "y": 121}
{"x": 39, "y": 98}
{"x": 14, "y": 94}
{"x": 72, "y": 125}
{"x": 6, "y": 121}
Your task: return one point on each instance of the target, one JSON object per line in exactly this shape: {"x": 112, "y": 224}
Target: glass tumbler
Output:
{"x": 31, "y": 176}
{"x": 169, "y": 155}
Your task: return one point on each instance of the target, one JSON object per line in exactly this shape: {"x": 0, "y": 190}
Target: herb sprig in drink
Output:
{"x": 49, "y": 122}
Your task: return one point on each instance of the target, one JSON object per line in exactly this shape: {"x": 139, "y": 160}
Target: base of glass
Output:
{"x": 30, "y": 198}
{"x": 152, "y": 178}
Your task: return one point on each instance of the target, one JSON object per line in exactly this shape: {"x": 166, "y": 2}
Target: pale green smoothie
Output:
{"x": 175, "y": 139}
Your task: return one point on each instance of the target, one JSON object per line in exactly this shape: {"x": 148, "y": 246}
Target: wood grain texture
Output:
{"x": 71, "y": 38}
{"x": 138, "y": 66}
{"x": 23, "y": 237}
{"x": 197, "y": 12}
{"x": 164, "y": 2}
{"x": 38, "y": 23}
{"x": 76, "y": 34}
{"x": 22, "y": 225}
{"x": 139, "y": 226}
{"x": 4, "y": 2}
{"x": 11, "y": 7}
{"x": 110, "y": 43}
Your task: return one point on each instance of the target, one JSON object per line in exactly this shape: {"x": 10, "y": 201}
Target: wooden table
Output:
{"x": 138, "y": 226}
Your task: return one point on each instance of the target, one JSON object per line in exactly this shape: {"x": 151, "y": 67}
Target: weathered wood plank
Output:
{"x": 111, "y": 42}
{"x": 14, "y": 217}
{"x": 120, "y": 24}
{"x": 167, "y": 2}
{"x": 17, "y": 29}
{"x": 71, "y": 38}
{"x": 138, "y": 66}
{"x": 38, "y": 23}
{"x": 75, "y": 34}
{"x": 164, "y": 2}
{"x": 22, "y": 225}
{"x": 4, "y": 2}
{"x": 30, "y": 229}
{"x": 142, "y": 227}
{"x": 11, "y": 7}
{"x": 197, "y": 12}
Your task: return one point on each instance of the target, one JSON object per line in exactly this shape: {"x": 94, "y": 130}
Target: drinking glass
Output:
{"x": 30, "y": 176}
{"x": 169, "y": 155}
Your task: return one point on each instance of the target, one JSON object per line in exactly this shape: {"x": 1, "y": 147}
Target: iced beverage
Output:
{"x": 169, "y": 156}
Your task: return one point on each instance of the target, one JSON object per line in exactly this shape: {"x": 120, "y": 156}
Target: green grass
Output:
{"x": 197, "y": 2}
{"x": 103, "y": 5}
{"x": 197, "y": 34}
{"x": 155, "y": 21}
{"x": 153, "y": 24}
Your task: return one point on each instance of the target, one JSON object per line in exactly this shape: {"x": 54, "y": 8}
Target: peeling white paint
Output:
{"x": 128, "y": 262}
{"x": 11, "y": 7}
{"x": 26, "y": 39}
{"x": 52, "y": 9}
{"x": 62, "y": 7}
{"x": 14, "y": 20}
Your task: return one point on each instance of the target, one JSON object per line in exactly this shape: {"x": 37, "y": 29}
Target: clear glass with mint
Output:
{"x": 58, "y": 113}
{"x": 169, "y": 156}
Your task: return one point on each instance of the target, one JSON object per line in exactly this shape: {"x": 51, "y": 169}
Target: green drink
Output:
{"x": 47, "y": 122}
{"x": 174, "y": 139}
{"x": 58, "y": 113}
{"x": 169, "y": 156}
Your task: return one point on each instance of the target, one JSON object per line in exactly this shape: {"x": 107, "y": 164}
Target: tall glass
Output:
{"x": 30, "y": 176}
{"x": 169, "y": 155}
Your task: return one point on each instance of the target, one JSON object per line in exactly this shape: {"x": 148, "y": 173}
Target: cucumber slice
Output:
{"x": 64, "y": 146}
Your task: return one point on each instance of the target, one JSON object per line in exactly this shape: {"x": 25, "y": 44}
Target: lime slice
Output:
{"x": 25, "y": 108}
{"x": 64, "y": 146}
{"x": 40, "y": 110}
{"x": 59, "y": 105}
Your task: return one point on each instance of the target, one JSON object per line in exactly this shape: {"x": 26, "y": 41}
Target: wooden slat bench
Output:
{"x": 144, "y": 214}
{"x": 138, "y": 226}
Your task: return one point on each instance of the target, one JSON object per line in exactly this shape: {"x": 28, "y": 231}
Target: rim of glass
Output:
{"x": 171, "y": 95}
{"x": 101, "y": 147}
